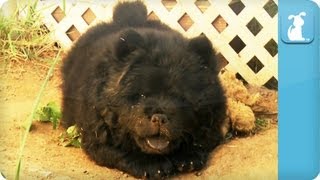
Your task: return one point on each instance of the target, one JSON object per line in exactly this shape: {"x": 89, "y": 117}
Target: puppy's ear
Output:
{"x": 290, "y": 17}
{"x": 303, "y": 13}
{"x": 128, "y": 42}
{"x": 202, "y": 46}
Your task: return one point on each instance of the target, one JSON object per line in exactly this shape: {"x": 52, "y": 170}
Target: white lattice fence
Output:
{"x": 244, "y": 32}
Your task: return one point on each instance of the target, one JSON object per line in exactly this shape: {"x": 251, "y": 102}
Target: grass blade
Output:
{"x": 31, "y": 117}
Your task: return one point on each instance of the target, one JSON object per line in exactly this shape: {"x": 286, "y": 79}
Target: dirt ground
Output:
{"x": 253, "y": 157}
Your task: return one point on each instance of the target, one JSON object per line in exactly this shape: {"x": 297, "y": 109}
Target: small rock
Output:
{"x": 198, "y": 173}
{"x": 40, "y": 171}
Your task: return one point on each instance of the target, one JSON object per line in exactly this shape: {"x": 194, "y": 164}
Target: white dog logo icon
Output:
{"x": 295, "y": 30}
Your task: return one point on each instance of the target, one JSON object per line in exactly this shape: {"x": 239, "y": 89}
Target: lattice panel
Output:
{"x": 244, "y": 32}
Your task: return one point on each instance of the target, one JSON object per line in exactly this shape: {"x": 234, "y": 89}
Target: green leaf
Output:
{"x": 261, "y": 124}
{"x": 71, "y": 137}
{"x": 49, "y": 113}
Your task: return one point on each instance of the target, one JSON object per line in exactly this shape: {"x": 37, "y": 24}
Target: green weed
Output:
{"x": 71, "y": 137}
{"x": 49, "y": 113}
{"x": 261, "y": 124}
{"x": 33, "y": 113}
{"x": 24, "y": 38}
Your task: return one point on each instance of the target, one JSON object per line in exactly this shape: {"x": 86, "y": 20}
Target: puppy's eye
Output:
{"x": 134, "y": 97}
{"x": 184, "y": 102}
{"x": 142, "y": 96}
{"x": 203, "y": 67}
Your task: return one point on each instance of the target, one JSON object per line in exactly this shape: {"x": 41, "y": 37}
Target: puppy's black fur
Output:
{"x": 146, "y": 100}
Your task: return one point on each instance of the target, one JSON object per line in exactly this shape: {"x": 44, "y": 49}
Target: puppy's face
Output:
{"x": 157, "y": 114}
{"x": 161, "y": 91}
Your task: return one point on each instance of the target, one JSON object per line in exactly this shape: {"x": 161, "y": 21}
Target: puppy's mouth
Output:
{"x": 158, "y": 143}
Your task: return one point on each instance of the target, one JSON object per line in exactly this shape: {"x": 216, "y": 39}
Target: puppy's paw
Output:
{"x": 159, "y": 170}
{"x": 189, "y": 162}
{"x": 149, "y": 167}
{"x": 189, "y": 166}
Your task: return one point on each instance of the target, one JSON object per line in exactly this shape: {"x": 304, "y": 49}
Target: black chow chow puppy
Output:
{"x": 146, "y": 100}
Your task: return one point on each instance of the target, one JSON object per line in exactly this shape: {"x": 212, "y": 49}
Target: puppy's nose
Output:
{"x": 159, "y": 119}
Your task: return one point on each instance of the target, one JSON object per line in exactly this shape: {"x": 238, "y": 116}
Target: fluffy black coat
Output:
{"x": 146, "y": 100}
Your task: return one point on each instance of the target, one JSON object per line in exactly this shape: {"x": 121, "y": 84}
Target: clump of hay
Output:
{"x": 246, "y": 104}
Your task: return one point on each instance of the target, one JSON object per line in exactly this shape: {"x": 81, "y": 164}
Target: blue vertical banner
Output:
{"x": 299, "y": 89}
